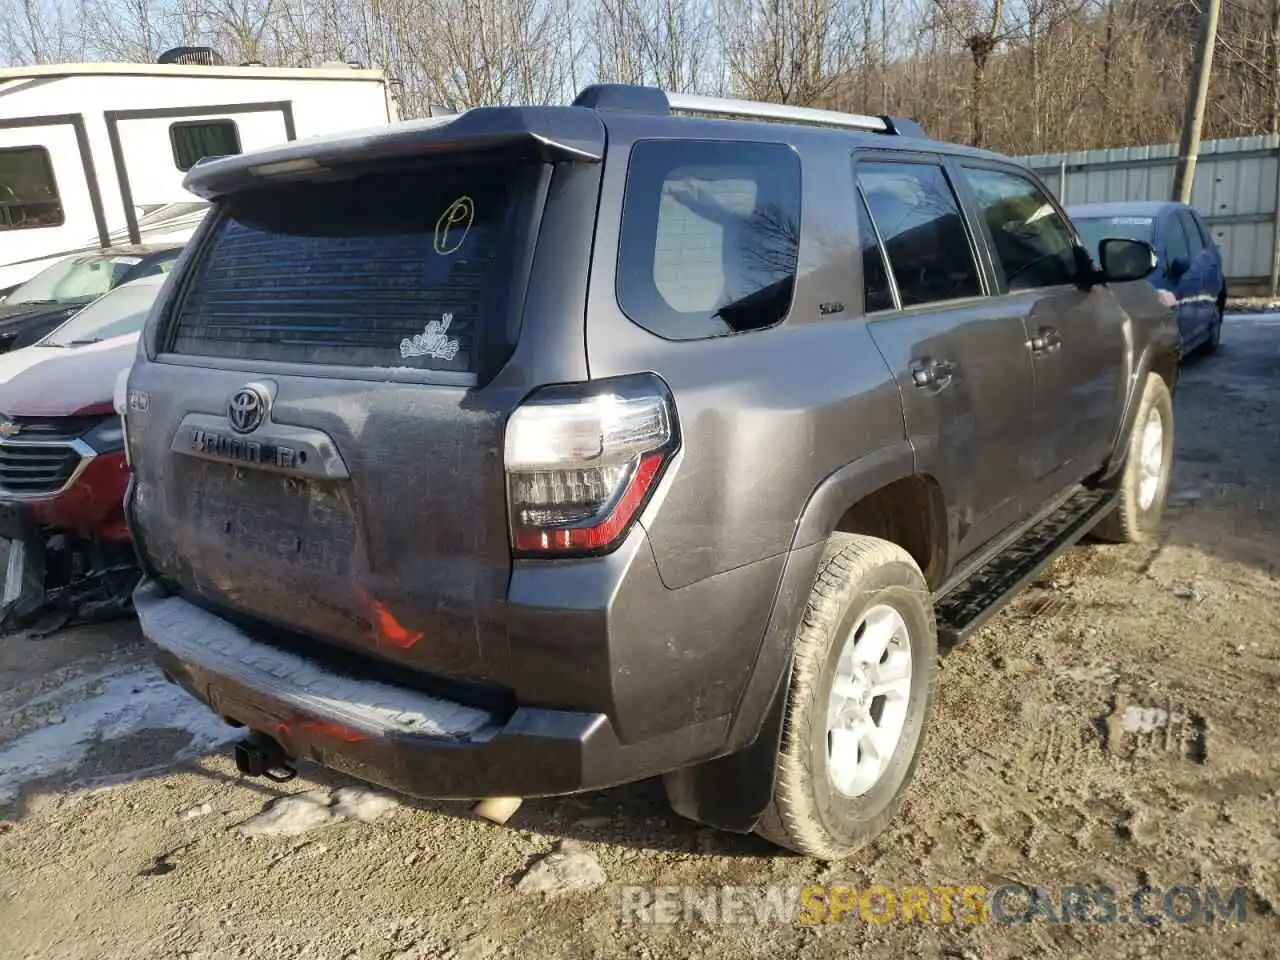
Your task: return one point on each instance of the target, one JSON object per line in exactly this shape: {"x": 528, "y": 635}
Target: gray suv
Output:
{"x": 540, "y": 449}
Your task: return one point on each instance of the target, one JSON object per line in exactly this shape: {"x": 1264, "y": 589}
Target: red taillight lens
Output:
{"x": 582, "y": 460}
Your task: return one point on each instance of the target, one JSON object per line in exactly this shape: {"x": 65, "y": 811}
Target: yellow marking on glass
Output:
{"x": 453, "y": 226}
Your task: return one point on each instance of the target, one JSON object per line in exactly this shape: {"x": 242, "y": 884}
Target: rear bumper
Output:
{"x": 398, "y": 737}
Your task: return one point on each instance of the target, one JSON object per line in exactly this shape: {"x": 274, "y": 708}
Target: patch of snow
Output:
{"x": 567, "y": 869}
{"x": 359, "y": 803}
{"x": 199, "y": 810}
{"x": 126, "y": 703}
{"x": 303, "y": 812}
{"x": 1143, "y": 719}
{"x": 290, "y": 816}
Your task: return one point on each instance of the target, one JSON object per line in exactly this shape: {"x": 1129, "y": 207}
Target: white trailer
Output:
{"x": 93, "y": 154}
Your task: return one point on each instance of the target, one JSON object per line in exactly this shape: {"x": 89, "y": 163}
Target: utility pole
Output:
{"x": 1197, "y": 94}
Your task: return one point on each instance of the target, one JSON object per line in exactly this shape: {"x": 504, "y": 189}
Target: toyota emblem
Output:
{"x": 247, "y": 409}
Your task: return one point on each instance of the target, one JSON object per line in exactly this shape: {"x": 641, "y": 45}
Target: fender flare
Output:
{"x": 1162, "y": 353}
{"x": 732, "y": 791}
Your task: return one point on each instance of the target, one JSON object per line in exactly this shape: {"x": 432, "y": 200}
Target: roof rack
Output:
{"x": 758, "y": 110}
{"x": 641, "y": 99}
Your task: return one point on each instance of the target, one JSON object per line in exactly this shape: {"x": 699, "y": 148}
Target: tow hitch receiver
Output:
{"x": 259, "y": 755}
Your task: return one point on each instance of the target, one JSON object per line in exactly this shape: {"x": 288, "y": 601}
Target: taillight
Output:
{"x": 581, "y": 461}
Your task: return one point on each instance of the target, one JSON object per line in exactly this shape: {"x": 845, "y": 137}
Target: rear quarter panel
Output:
{"x": 765, "y": 416}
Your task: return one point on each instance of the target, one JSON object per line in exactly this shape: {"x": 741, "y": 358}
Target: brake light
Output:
{"x": 582, "y": 460}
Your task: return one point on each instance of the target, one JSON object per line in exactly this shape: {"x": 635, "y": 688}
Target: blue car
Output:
{"x": 1190, "y": 267}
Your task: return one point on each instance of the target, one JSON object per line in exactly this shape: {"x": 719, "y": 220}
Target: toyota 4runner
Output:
{"x": 539, "y": 449}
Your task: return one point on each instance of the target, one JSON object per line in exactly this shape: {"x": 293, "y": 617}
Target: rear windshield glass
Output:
{"x": 1093, "y": 230}
{"x": 402, "y": 269}
{"x": 710, "y": 234}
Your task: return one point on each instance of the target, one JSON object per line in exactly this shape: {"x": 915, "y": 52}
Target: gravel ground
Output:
{"x": 1115, "y": 725}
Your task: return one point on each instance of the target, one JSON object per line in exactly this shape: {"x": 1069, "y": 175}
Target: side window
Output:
{"x": 1031, "y": 240}
{"x": 1195, "y": 240}
{"x": 28, "y": 191}
{"x": 1176, "y": 243}
{"x": 709, "y": 238}
{"x": 877, "y": 294}
{"x": 193, "y": 140}
{"x": 919, "y": 221}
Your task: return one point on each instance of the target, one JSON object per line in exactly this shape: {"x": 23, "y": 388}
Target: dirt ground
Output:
{"x": 1043, "y": 768}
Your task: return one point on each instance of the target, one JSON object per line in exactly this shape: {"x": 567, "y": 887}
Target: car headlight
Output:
{"x": 107, "y": 436}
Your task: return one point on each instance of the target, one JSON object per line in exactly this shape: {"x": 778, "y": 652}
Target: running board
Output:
{"x": 967, "y": 606}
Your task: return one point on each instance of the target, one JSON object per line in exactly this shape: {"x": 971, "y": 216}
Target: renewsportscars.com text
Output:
{"x": 942, "y": 904}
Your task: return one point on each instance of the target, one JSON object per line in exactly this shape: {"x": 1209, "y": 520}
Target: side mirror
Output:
{"x": 1124, "y": 260}
{"x": 1178, "y": 266}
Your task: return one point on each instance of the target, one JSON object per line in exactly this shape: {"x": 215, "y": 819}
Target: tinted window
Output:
{"x": 1031, "y": 240}
{"x": 710, "y": 236}
{"x": 876, "y": 291}
{"x": 403, "y": 269}
{"x": 919, "y": 220}
{"x": 1195, "y": 239}
{"x": 28, "y": 191}
{"x": 1176, "y": 243}
{"x": 194, "y": 140}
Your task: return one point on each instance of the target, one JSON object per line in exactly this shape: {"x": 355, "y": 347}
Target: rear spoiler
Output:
{"x": 549, "y": 133}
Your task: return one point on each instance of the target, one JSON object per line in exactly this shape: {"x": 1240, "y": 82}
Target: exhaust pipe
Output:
{"x": 259, "y": 755}
{"x": 497, "y": 809}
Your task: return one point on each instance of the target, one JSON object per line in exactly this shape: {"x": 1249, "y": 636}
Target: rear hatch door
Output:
{"x": 318, "y": 439}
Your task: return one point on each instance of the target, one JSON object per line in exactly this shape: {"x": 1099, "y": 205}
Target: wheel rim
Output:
{"x": 1151, "y": 459}
{"x": 867, "y": 707}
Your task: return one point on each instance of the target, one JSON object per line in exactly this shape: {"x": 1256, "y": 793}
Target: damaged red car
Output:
{"x": 64, "y": 548}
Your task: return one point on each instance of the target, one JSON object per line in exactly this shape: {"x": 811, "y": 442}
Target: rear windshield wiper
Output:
{"x": 83, "y": 343}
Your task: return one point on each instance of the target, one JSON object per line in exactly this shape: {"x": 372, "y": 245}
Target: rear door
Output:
{"x": 1179, "y": 270}
{"x": 959, "y": 355}
{"x": 1202, "y": 275}
{"x": 1076, "y": 338}
{"x": 322, "y": 430}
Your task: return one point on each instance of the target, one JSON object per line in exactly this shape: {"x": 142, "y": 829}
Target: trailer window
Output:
{"x": 193, "y": 140}
{"x": 28, "y": 191}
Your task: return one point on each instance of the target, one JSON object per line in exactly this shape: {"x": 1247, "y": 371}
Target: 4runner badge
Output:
{"x": 432, "y": 342}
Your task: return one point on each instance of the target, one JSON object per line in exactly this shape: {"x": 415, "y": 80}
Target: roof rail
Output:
{"x": 757, "y": 110}
{"x": 641, "y": 99}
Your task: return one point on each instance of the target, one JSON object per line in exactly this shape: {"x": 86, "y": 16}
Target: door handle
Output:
{"x": 1046, "y": 340}
{"x": 931, "y": 373}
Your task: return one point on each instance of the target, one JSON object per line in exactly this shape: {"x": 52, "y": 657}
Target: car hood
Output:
{"x": 16, "y": 314}
{"x": 64, "y": 381}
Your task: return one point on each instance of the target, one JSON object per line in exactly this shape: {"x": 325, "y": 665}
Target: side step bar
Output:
{"x": 964, "y": 607}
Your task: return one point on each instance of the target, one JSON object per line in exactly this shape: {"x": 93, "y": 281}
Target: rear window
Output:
{"x": 1093, "y": 230}
{"x": 404, "y": 269}
{"x": 710, "y": 236}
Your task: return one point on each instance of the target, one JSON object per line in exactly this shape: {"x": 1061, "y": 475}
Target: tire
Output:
{"x": 862, "y": 583}
{"x": 1136, "y": 516}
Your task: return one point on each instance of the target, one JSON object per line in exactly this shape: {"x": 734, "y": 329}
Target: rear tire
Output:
{"x": 1144, "y": 483}
{"x": 868, "y": 594}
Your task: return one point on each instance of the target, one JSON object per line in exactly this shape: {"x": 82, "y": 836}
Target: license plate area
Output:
{"x": 282, "y": 520}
